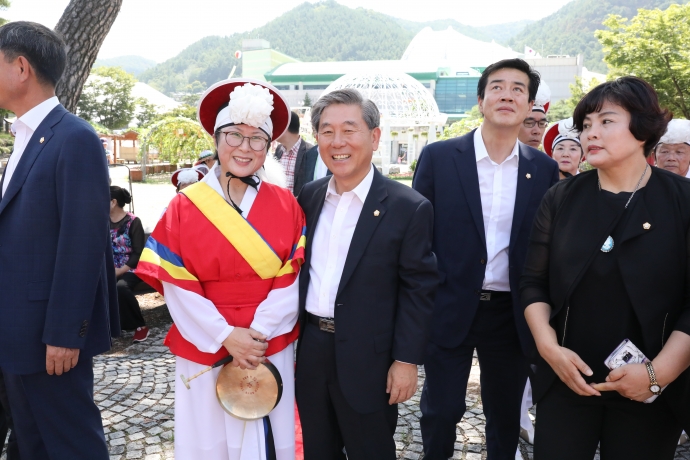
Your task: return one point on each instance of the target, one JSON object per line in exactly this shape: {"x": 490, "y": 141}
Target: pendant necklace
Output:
{"x": 608, "y": 244}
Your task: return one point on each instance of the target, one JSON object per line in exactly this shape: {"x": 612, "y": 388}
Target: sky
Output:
{"x": 160, "y": 29}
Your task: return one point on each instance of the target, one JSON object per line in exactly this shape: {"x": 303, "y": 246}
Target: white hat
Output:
{"x": 677, "y": 132}
{"x": 560, "y": 131}
{"x": 542, "y": 99}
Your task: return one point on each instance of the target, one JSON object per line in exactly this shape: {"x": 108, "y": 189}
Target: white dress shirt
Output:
{"x": 23, "y": 128}
{"x": 497, "y": 187}
{"x": 200, "y": 322}
{"x": 321, "y": 170}
{"x": 331, "y": 243}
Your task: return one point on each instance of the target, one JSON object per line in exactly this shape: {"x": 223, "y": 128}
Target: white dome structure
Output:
{"x": 453, "y": 47}
{"x": 405, "y": 105}
{"x": 397, "y": 95}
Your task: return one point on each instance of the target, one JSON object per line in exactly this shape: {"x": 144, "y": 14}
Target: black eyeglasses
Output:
{"x": 235, "y": 139}
{"x": 530, "y": 122}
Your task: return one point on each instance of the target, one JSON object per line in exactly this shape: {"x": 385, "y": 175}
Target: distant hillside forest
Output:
{"x": 324, "y": 31}
{"x": 328, "y": 31}
{"x": 570, "y": 30}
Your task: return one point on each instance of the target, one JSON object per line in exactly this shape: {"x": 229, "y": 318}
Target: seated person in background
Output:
{"x": 185, "y": 177}
{"x": 128, "y": 239}
{"x": 108, "y": 153}
{"x": 205, "y": 162}
{"x": 673, "y": 150}
{"x": 562, "y": 143}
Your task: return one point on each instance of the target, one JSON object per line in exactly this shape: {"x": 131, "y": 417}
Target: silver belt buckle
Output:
{"x": 327, "y": 325}
{"x": 485, "y": 296}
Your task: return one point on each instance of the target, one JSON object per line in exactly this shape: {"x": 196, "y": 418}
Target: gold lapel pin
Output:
{"x": 646, "y": 225}
{"x": 376, "y": 213}
{"x": 528, "y": 176}
{"x": 42, "y": 139}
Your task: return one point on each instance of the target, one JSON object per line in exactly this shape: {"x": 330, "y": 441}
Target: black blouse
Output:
{"x": 599, "y": 313}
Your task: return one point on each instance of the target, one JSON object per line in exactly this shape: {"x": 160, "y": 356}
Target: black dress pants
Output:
{"x": 130, "y": 312}
{"x": 569, "y": 427}
{"x": 329, "y": 423}
{"x": 503, "y": 376}
{"x": 6, "y": 424}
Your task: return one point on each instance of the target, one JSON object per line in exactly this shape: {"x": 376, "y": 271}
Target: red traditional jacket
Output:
{"x": 203, "y": 245}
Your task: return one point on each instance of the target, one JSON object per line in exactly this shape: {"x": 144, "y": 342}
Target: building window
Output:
{"x": 282, "y": 87}
{"x": 314, "y": 86}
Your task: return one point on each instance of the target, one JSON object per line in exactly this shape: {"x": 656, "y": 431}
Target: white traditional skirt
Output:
{"x": 204, "y": 431}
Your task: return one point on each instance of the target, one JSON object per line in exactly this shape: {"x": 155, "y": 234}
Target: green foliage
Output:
{"x": 146, "y": 112}
{"x": 560, "y": 110}
{"x": 323, "y": 31}
{"x": 184, "y": 111}
{"x": 307, "y": 100}
{"x": 570, "y": 30}
{"x": 132, "y": 64}
{"x": 4, "y": 4}
{"x": 107, "y": 98}
{"x": 6, "y": 144}
{"x": 464, "y": 126}
{"x": 413, "y": 165}
{"x": 564, "y": 108}
{"x": 177, "y": 139}
{"x": 654, "y": 46}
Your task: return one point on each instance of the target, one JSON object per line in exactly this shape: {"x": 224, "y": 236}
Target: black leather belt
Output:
{"x": 487, "y": 295}
{"x": 325, "y": 324}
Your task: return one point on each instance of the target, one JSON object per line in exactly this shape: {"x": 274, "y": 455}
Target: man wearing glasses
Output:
{"x": 532, "y": 129}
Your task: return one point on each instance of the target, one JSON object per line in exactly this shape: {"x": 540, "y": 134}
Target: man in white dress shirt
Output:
{"x": 366, "y": 290}
{"x": 59, "y": 302}
{"x": 485, "y": 188}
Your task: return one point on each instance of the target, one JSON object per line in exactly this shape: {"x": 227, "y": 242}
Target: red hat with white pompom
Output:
{"x": 558, "y": 132}
{"x": 244, "y": 101}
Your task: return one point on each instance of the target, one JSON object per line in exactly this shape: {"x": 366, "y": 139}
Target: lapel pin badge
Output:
{"x": 646, "y": 225}
{"x": 377, "y": 213}
{"x": 42, "y": 139}
{"x": 528, "y": 176}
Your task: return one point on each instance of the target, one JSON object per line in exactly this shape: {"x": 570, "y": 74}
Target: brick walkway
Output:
{"x": 135, "y": 392}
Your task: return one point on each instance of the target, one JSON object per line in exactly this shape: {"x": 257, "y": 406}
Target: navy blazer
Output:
{"x": 57, "y": 277}
{"x": 446, "y": 175}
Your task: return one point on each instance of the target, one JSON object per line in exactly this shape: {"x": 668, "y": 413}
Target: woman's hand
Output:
{"x": 122, "y": 270}
{"x": 247, "y": 347}
{"x": 569, "y": 367}
{"x": 631, "y": 381}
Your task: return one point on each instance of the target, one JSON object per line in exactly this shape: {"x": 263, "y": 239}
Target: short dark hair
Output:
{"x": 43, "y": 48}
{"x": 346, "y": 96}
{"x": 517, "y": 64}
{"x": 120, "y": 194}
{"x": 293, "y": 127}
{"x": 648, "y": 121}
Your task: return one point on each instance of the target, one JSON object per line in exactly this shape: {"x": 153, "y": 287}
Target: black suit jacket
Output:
{"x": 385, "y": 295}
{"x": 447, "y": 175}
{"x": 302, "y": 175}
{"x": 654, "y": 263}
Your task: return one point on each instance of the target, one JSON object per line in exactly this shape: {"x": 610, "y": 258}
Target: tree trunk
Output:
{"x": 84, "y": 25}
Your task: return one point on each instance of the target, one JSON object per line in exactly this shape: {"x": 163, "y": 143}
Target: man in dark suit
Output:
{"x": 485, "y": 188}
{"x": 59, "y": 303}
{"x": 314, "y": 166}
{"x": 291, "y": 152}
{"x": 366, "y": 290}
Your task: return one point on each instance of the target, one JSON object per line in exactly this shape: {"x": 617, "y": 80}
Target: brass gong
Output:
{"x": 249, "y": 394}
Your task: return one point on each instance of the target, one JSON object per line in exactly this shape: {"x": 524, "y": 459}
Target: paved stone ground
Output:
{"x": 134, "y": 389}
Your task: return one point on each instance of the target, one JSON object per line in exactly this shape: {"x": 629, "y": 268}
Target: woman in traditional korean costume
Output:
{"x": 226, "y": 256}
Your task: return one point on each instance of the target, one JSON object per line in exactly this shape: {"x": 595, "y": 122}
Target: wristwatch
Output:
{"x": 654, "y": 387}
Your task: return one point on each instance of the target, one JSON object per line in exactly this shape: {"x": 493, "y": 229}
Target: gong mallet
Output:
{"x": 222, "y": 362}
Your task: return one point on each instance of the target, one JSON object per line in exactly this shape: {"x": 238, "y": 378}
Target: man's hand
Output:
{"x": 59, "y": 360}
{"x": 631, "y": 381}
{"x": 247, "y": 347}
{"x": 402, "y": 382}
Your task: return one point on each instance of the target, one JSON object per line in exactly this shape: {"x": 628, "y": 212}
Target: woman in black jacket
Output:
{"x": 608, "y": 261}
